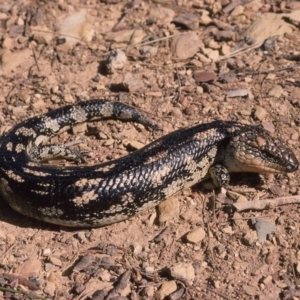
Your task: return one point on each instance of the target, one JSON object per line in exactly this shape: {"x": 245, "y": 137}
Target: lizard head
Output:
{"x": 252, "y": 149}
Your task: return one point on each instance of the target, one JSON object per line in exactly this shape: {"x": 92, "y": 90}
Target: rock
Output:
{"x": 167, "y": 209}
{"x": 137, "y": 248}
{"x": 133, "y": 84}
{"x": 30, "y": 267}
{"x": 267, "y": 279}
{"x": 116, "y": 61}
{"x": 250, "y": 238}
{"x": 8, "y": 43}
{"x": 149, "y": 269}
{"x": 108, "y": 142}
{"x": 269, "y": 44}
{"x": 154, "y": 94}
{"x": 245, "y": 112}
{"x": 55, "y": 261}
{"x": 81, "y": 236}
{"x": 48, "y": 267}
{"x": 276, "y": 91}
{"x": 203, "y": 58}
{"x": 79, "y": 128}
{"x": 3, "y": 236}
{"x": 3, "y": 16}
{"x": 253, "y": 5}
{"x": 263, "y": 228}
{"x": 225, "y": 49}
{"x": 298, "y": 267}
{"x": 24, "y": 96}
{"x": 227, "y": 77}
{"x": 205, "y": 19}
{"x": 50, "y": 288}
{"x": 38, "y": 104}
{"x": 163, "y": 15}
{"x": 216, "y": 284}
{"x": 213, "y": 55}
{"x": 260, "y": 113}
{"x": 216, "y": 7}
{"x": 110, "y": 1}
{"x": 188, "y": 20}
{"x": 195, "y": 236}
{"x": 135, "y": 145}
{"x": 199, "y": 90}
{"x": 124, "y": 293}
{"x": 134, "y": 36}
{"x": 19, "y": 110}
{"x": 238, "y": 93}
{"x": 84, "y": 262}
{"x": 237, "y": 11}
{"x": 214, "y": 45}
{"x": 166, "y": 289}
{"x": 205, "y": 77}
{"x": 11, "y": 63}
{"x": 228, "y": 230}
{"x": 225, "y": 35}
{"x": 47, "y": 252}
{"x": 176, "y": 112}
{"x": 10, "y": 239}
{"x": 186, "y": 45}
{"x": 268, "y": 126}
{"x": 105, "y": 276}
{"x": 148, "y": 51}
{"x": 41, "y": 34}
{"x": 295, "y": 92}
{"x": 236, "y": 197}
{"x": 271, "y": 257}
{"x": 250, "y": 290}
{"x": 76, "y": 27}
{"x": 183, "y": 271}
{"x": 148, "y": 292}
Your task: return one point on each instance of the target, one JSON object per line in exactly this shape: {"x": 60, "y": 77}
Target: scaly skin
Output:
{"x": 89, "y": 196}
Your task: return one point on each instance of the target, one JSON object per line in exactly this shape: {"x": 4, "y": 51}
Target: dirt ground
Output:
{"x": 182, "y": 63}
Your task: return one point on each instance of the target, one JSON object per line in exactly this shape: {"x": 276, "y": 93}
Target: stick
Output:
{"x": 266, "y": 204}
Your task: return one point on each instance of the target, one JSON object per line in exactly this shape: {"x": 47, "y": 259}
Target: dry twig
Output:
{"x": 266, "y": 204}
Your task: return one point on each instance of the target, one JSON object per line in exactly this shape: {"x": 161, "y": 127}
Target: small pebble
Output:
{"x": 263, "y": 228}
{"x": 267, "y": 279}
{"x": 148, "y": 51}
{"x": 167, "y": 209}
{"x": 166, "y": 289}
{"x": 187, "y": 20}
{"x": 48, "y": 267}
{"x": 149, "y": 269}
{"x": 238, "y": 93}
{"x": 276, "y": 91}
{"x": 81, "y": 236}
{"x": 183, "y": 271}
{"x": 46, "y": 252}
{"x": 137, "y": 248}
{"x": 55, "y": 261}
{"x": 205, "y": 77}
{"x": 135, "y": 145}
{"x": 50, "y": 288}
{"x": 116, "y": 61}
{"x": 260, "y": 113}
{"x": 195, "y": 236}
{"x": 250, "y": 238}
{"x": 298, "y": 267}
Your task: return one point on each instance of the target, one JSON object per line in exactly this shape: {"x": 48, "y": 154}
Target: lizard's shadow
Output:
{"x": 250, "y": 180}
{"x": 10, "y": 216}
